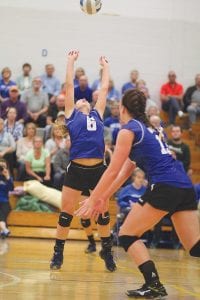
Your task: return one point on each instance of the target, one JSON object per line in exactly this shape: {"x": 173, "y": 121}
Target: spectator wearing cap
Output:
{"x": 50, "y": 83}
{"x": 132, "y": 83}
{"x": 24, "y": 81}
{"x": 14, "y": 101}
{"x": 55, "y": 108}
{"x": 37, "y": 103}
{"x": 5, "y": 84}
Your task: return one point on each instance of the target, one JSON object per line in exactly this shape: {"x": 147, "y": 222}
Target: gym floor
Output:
{"x": 25, "y": 274}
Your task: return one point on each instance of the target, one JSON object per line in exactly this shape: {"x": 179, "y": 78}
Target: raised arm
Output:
{"x": 69, "y": 98}
{"x": 101, "y": 102}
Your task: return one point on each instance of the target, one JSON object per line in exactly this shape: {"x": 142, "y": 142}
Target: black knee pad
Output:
{"x": 104, "y": 220}
{"x": 195, "y": 251}
{"x": 85, "y": 223}
{"x": 65, "y": 219}
{"x": 127, "y": 240}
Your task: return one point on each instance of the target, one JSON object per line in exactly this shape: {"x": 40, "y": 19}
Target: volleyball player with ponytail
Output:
{"x": 86, "y": 165}
{"x": 170, "y": 191}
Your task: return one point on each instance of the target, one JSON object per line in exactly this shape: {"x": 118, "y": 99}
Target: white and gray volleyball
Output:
{"x": 90, "y": 7}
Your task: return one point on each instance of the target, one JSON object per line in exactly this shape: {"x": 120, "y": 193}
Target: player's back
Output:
{"x": 151, "y": 153}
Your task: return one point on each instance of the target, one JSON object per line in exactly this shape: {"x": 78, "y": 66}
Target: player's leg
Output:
{"x": 139, "y": 220}
{"x": 103, "y": 225}
{"x": 186, "y": 224}
{"x": 69, "y": 200}
{"x": 86, "y": 223}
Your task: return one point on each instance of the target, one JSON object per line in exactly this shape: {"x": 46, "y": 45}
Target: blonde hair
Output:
{"x": 62, "y": 126}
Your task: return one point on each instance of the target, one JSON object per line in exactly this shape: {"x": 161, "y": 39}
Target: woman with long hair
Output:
{"x": 170, "y": 191}
{"x": 86, "y": 165}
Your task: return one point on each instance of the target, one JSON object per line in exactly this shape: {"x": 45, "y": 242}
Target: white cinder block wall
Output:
{"x": 152, "y": 36}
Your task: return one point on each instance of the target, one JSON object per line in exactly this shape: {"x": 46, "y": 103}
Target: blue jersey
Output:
{"x": 151, "y": 153}
{"x": 5, "y": 187}
{"x": 86, "y": 134}
{"x": 129, "y": 194}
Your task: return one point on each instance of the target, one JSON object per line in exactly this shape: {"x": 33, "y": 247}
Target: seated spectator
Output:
{"x": 24, "y": 81}
{"x": 126, "y": 197}
{"x": 55, "y": 108}
{"x": 50, "y": 84}
{"x": 5, "y": 84}
{"x": 131, "y": 193}
{"x": 14, "y": 101}
{"x": 152, "y": 111}
{"x": 179, "y": 148}
{"x": 37, "y": 103}
{"x": 113, "y": 94}
{"x": 83, "y": 91}
{"x": 56, "y": 141}
{"x": 132, "y": 83}
{"x": 113, "y": 121}
{"x": 37, "y": 162}
{"x": 171, "y": 96}
{"x": 78, "y": 73}
{"x": 24, "y": 144}
{"x": 11, "y": 125}
{"x": 97, "y": 83}
{"x": 6, "y": 185}
{"x": 7, "y": 146}
{"x": 191, "y": 100}
{"x": 95, "y": 96}
{"x": 60, "y": 119}
{"x": 155, "y": 121}
{"x": 108, "y": 150}
{"x": 60, "y": 163}
{"x": 141, "y": 86}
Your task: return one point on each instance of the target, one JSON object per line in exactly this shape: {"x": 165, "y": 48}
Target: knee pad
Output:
{"x": 195, "y": 251}
{"x": 127, "y": 240}
{"x": 104, "y": 220}
{"x": 65, "y": 219}
{"x": 85, "y": 223}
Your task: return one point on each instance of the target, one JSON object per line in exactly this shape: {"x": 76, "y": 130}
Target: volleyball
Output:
{"x": 90, "y": 7}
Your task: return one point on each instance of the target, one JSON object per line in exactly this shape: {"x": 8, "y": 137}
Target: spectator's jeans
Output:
{"x": 172, "y": 106}
{"x": 193, "y": 111}
{"x": 21, "y": 171}
{"x": 41, "y": 121}
{"x": 58, "y": 179}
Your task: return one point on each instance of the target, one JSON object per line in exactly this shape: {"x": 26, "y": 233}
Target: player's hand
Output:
{"x": 103, "y": 61}
{"x": 91, "y": 209}
{"x": 73, "y": 55}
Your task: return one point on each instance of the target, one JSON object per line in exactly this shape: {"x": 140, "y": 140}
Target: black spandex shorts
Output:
{"x": 169, "y": 198}
{"x": 4, "y": 211}
{"x": 83, "y": 178}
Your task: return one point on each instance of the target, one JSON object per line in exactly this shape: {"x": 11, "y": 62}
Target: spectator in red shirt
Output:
{"x": 171, "y": 96}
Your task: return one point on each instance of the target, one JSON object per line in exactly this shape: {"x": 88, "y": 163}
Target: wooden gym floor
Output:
{"x": 25, "y": 274}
